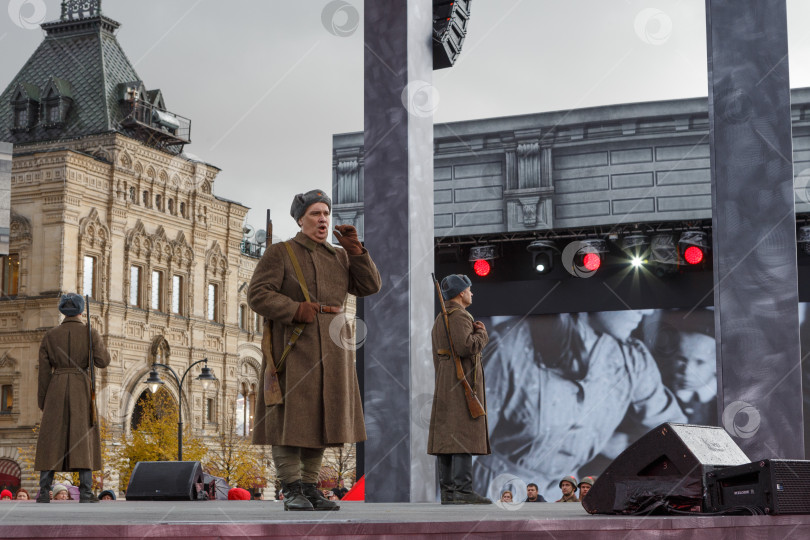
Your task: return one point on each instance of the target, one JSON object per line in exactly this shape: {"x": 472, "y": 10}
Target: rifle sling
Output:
{"x": 299, "y": 329}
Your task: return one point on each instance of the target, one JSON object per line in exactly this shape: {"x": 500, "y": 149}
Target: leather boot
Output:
{"x": 294, "y": 498}
{"x": 45, "y": 483}
{"x": 446, "y": 478}
{"x": 316, "y": 498}
{"x": 462, "y": 481}
{"x": 86, "y": 494}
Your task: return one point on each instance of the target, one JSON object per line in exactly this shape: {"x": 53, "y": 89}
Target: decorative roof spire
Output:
{"x": 74, "y": 10}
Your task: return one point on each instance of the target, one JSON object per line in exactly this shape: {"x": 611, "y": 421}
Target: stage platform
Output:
{"x": 266, "y": 519}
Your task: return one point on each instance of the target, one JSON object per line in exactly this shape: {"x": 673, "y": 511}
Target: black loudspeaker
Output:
{"x": 449, "y": 30}
{"x": 664, "y": 468}
{"x": 166, "y": 481}
{"x": 776, "y": 486}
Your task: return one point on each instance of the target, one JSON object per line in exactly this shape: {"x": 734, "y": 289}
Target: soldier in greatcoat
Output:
{"x": 455, "y": 436}
{"x": 321, "y": 397}
{"x": 69, "y": 439}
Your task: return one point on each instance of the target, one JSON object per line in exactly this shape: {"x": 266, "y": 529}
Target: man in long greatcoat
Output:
{"x": 69, "y": 439}
{"x": 321, "y": 397}
{"x": 455, "y": 436}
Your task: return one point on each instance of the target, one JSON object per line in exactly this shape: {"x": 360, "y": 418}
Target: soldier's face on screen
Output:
{"x": 315, "y": 222}
{"x": 619, "y": 324}
{"x": 694, "y": 362}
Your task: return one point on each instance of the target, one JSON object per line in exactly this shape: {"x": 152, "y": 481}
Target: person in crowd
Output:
{"x": 257, "y": 495}
{"x": 454, "y": 435}
{"x": 238, "y": 494}
{"x": 69, "y": 438}
{"x": 321, "y": 396}
{"x": 685, "y": 348}
{"x": 506, "y": 496}
{"x": 332, "y": 496}
{"x": 533, "y": 494}
{"x": 5, "y": 495}
{"x": 61, "y": 493}
{"x": 22, "y": 495}
{"x": 585, "y": 485}
{"x": 341, "y": 490}
{"x": 560, "y": 385}
{"x": 106, "y": 495}
{"x": 568, "y": 486}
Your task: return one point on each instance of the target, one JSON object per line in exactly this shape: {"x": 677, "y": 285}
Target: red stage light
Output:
{"x": 693, "y": 255}
{"x": 592, "y": 261}
{"x": 481, "y": 267}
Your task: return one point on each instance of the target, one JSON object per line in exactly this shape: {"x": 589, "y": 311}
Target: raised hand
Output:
{"x": 347, "y": 236}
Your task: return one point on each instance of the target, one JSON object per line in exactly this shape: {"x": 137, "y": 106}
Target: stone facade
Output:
{"x": 584, "y": 168}
{"x": 84, "y": 214}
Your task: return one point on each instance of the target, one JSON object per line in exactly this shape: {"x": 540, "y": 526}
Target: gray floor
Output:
{"x": 152, "y": 512}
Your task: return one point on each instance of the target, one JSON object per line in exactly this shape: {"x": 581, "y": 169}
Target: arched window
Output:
{"x": 183, "y": 209}
{"x": 133, "y": 195}
{"x": 170, "y": 206}
{"x": 159, "y": 202}
{"x": 10, "y": 474}
{"x": 146, "y": 199}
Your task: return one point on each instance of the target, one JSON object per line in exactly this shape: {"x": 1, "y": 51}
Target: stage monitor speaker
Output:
{"x": 665, "y": 467}
{"x": 166, "y": 481}
{"x": 776, "y": 486}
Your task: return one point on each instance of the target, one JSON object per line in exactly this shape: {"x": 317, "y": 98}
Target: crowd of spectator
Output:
{"x": 568, "y": 487}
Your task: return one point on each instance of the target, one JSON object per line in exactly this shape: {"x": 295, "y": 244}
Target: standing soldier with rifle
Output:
{"x": 458, "y": 421}
{"x": 69, "y": 439}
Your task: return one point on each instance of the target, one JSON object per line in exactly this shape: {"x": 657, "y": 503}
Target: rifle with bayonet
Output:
{"x": 473, "y": 403}
{"x": 91, "y": 365}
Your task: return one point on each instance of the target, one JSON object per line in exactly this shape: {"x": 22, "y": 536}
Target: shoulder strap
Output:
{"x": 451, "y": 310}
{"x": 299, "y": 274}
{"x": 298, "y": 330}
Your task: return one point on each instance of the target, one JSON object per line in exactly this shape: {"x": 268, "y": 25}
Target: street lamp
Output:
{"x": 206, "y": 377}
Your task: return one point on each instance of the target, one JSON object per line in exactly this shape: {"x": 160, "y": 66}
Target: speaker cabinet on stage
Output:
{"x": 777, "y": 486}
{"x": 664, "y": 467}
{"x": 166, "y": 481}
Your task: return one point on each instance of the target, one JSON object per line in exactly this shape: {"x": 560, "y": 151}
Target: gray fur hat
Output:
{"x": 59, "y": 488}
{"x": 453, "y": 284}
{"x": 71, "y": 304}
{"x": 302, "y": 201}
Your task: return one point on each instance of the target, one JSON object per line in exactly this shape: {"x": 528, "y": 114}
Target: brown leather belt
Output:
{"x": 331, "y": 309}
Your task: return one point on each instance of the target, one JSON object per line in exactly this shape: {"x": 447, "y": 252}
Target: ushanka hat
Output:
{"x": 71, "y": 304}
{"x": 453, "y": 284}
{"x": 302, "y": 201}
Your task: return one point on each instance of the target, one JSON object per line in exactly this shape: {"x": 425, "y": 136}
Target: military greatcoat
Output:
{"x": 67, "y": 441}
{"x": 452, "y": 429}
{"x": 318, "y": 378}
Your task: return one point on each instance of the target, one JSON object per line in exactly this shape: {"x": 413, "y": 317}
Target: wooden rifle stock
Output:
{"x": 91, "y": 365}
{"x": 473, "y": 404}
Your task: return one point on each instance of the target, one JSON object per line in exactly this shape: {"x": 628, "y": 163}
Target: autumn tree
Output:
{"x": 234, "y": 459}
{"x": 339, "y": 462}
{"x": 155, "y": 436}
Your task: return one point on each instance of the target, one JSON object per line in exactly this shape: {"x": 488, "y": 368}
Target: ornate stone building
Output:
{"x": 104, "y": 203}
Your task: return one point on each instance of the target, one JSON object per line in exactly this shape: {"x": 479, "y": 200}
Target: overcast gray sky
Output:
{"x": 266, "y": 83}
